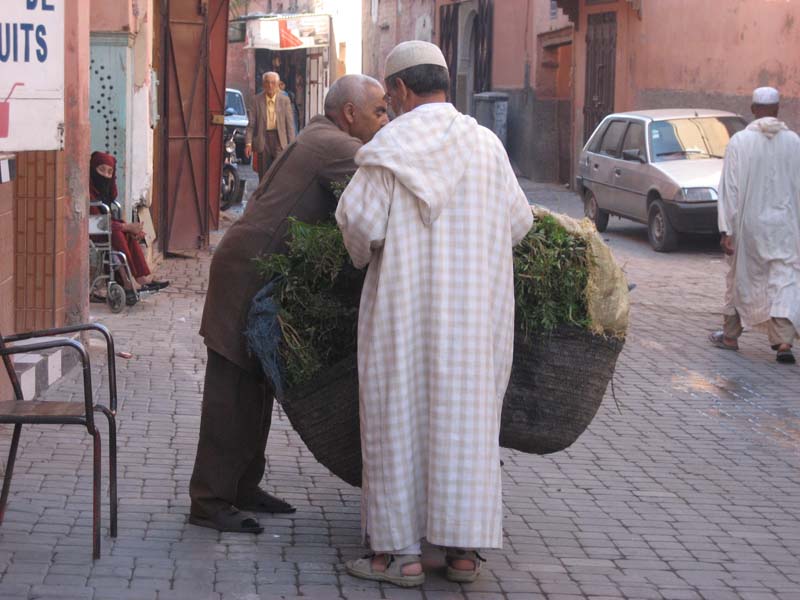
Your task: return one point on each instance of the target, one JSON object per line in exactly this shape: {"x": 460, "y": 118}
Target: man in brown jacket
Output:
{"x": 271, "y": 126}
{"x": 237, "y": 401}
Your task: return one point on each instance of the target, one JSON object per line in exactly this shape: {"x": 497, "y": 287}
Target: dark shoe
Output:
{"x": 785, "y": 357}
{"x": 155, "y": 285}
{"x": 262, "y": 502}
{"x": 229, "y": 519}
{"x": 718, "y": 339}
{"x": 131, "y": 297}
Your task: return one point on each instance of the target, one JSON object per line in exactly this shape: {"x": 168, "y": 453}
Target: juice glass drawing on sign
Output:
{"x": 5, "y": 111}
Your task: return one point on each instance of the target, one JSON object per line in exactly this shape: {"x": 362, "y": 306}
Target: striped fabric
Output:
{"x": 759, "y": 205}
{"x": 434, "y": 210}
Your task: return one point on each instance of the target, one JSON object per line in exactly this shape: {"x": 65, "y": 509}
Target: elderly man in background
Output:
{"x": 271, "y": 125}
{"x": 434, "y": 210}
{"x": 759, "y": 219}
{"x": 237, "y": 400}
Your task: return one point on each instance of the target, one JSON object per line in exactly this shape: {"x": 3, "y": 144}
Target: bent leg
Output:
{"x": 230, "y": 435}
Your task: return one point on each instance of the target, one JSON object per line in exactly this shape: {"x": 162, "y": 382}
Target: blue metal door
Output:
{"x": 109, "y": 90}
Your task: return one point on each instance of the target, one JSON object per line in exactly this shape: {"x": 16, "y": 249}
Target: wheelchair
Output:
{"x": 104, "y": 261}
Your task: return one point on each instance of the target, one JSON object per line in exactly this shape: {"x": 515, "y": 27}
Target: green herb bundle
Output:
{"x": 551, "y": 270}
{"x": 318, "y": 291}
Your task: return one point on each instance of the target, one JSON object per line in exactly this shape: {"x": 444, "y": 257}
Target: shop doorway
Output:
{"x": 291, "y": 66}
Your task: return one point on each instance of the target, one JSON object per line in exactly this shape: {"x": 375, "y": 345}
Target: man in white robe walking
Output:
{"x": 434, "y": 210}
{"x": 759, "y": 219}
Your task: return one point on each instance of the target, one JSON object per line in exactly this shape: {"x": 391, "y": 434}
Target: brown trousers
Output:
{"x": 271, "y": 152}
{"x": 779, "y": 331}
{"x": 234, "y": 425}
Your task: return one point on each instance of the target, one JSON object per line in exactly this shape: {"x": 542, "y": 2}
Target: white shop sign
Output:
{"x": 31, "y": 75}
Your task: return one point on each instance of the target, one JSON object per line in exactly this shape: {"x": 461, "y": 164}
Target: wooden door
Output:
{"x": 217, "y": 63}
{"x": 185, "y": 219}
{"x": 601, "y": 51}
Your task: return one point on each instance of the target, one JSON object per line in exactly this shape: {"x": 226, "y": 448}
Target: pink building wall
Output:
{"x": 114, "y": 15}
{"x": 685, "y": 53}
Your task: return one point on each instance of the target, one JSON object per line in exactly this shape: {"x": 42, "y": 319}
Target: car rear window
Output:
{"x": 234, "y": 101}
{"x": 612, "y": 137}
{"x": 692, "y": 138}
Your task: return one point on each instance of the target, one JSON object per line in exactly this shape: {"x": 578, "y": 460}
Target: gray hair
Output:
{"x": 268, "y": 73}
{"x": 348, "y": 88}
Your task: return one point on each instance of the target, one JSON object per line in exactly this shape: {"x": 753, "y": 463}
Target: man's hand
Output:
{"x": 248, "y": 150}
{"x": 726, "y": 243}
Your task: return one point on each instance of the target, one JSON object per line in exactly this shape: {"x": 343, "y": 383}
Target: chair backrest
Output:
{"x": 99, "y": 221}
{"x": 11, "y": 371}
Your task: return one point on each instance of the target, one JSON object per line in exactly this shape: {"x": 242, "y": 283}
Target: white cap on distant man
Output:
{"x": 411, "y": 54}
{"x": 766, "y": 96}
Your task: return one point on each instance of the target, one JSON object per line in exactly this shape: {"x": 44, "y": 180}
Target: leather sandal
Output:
{"x": 718, "y": 339}
{"x": 262, "y": 502}
{"x": 230, "y": 520}
{"x": 462, "y": 575}
{"x": 362, "y": 568}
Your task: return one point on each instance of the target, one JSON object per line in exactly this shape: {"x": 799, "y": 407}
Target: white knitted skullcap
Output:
{"x": 766, "y": 95}
{"x": 411, "y": 54}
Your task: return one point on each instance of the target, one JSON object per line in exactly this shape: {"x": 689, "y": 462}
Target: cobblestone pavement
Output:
{"x": 690, "y": 490}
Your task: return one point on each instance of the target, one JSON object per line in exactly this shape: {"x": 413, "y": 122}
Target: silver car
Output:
{"x": 659, "y": 167}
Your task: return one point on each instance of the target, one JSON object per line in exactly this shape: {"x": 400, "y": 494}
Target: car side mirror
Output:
{"x": 634, "y": 155}
{"x": 229, "y": 111}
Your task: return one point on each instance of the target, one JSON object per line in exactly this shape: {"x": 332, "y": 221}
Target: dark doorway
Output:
{"x": 601, "y": 49}
{"x": 291, "y": 66}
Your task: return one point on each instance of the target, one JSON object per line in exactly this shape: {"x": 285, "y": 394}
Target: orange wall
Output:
{"x": 725, "y": 46}
{"x": 113, "y": 15}
{"x": 689, "y": 53}
{"x": 517, "y": 25}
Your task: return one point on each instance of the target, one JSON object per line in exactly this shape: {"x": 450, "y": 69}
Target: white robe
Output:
{"x": 434, "y": 209}
{"x": 759, "y": 205}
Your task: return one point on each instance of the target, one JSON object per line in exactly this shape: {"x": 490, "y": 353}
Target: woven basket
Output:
{"x": 557, "y": 384}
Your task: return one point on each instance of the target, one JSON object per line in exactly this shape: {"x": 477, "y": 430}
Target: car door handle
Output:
{"x": 617, "y": 172}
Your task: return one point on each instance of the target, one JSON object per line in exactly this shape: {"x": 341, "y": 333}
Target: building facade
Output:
{"x": 307, "y": 69}
{"x": 638, "y": 54}
{"x": 43, "y": 206}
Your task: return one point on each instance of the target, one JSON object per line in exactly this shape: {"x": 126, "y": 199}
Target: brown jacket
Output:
{"x": 297, "y": 185}
{"x": 257, "y": 127}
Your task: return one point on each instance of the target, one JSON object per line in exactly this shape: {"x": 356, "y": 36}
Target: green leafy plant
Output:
{"x": 318, "y": 291}
{"x": 551, "y": 270}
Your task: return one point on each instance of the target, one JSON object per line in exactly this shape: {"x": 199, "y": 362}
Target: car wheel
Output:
{"x": 660, "y": 232}
{"x": 594, "y": 213}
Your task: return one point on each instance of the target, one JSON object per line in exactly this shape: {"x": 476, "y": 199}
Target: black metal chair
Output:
{"x": 21, "y": 411}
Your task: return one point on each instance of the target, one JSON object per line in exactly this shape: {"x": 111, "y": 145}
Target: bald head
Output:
{"x": 357, "y": 104}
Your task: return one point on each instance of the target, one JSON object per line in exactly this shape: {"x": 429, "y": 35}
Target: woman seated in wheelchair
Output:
{"x": 125, "y": 237}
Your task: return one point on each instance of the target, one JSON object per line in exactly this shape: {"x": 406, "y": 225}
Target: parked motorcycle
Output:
{"x": 232, "y": 187}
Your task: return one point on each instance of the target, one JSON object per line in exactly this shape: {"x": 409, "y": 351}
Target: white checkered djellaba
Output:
{"x": 434, "y": 210}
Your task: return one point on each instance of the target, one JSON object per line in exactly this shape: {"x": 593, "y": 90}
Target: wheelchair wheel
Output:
{"x": 116, "y": 297}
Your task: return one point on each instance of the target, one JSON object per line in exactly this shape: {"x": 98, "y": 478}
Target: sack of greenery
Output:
{"x": 571, "y": 318}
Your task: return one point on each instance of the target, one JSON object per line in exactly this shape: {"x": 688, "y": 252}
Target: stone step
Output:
{"x": 39, "y": 370}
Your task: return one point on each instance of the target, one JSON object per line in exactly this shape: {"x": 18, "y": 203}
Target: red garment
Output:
{"x": 132, "y": 250}
{"x": 120, "y": 241}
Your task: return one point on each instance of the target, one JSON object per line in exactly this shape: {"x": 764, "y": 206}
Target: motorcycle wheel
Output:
{"x": 230, "y": 183}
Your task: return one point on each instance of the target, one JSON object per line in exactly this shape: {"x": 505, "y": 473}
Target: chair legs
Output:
{"x": 96, "y": 505}
{"x": 96, "y": 478}
{"x": 12, "y": 456}
{"x": 112, "y": 469}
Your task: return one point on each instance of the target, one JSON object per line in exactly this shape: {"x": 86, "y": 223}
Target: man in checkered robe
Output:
{"x": 434, "y": 210}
